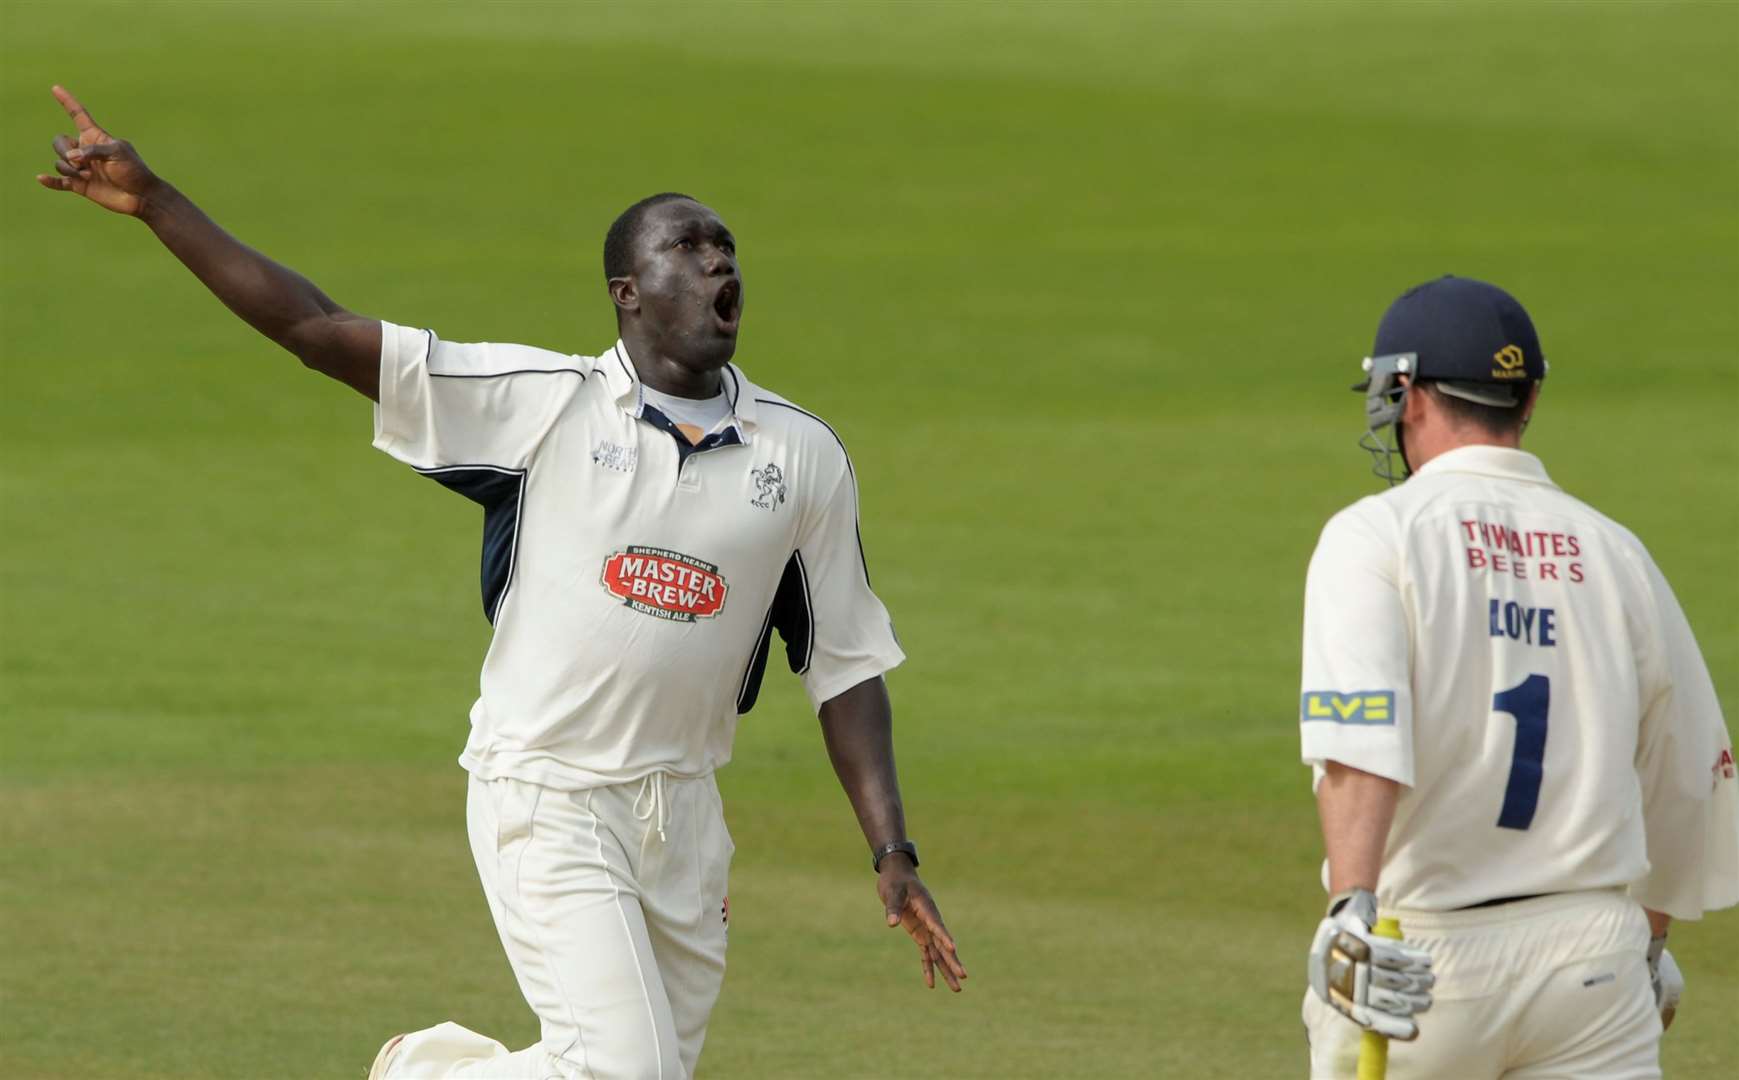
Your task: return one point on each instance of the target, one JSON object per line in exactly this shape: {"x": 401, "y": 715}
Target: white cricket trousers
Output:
{"x": 611, "y": 905}
{"x": 1554, "y": 988}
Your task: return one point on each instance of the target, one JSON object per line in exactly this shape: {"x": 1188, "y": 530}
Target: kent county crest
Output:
{"x": 770, "y": 487}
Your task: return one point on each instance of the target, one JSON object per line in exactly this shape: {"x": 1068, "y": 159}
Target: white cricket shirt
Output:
{"x": 1517, "y": 661}
{"x": 634, "y": 580}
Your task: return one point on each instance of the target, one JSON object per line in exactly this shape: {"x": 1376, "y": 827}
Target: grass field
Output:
{"x": 1082, "y": 286}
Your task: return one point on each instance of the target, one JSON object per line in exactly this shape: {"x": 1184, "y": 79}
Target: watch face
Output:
{"x": 906, "y": 846}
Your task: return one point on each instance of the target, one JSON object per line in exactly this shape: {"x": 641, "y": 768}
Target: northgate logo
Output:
{"x": 664, "y": 584}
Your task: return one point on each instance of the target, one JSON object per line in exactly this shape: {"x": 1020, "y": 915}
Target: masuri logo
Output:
{"x": 1509, "y": 361}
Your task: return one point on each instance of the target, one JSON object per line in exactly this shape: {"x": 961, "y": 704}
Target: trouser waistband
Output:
{"x": 1514, "y": 909}
{"x": 1495, "y": 901}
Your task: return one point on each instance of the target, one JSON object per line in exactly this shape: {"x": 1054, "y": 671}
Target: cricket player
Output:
{"x": 650, "y": 518}
{"x": 1517, "y": 749}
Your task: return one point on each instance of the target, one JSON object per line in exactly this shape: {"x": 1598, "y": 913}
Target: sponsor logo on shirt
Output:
{"x": 1501, "y": 549}
{"x": 664, "y": 584}
{"x": 1361, "y": 707}
{"x": 612, "y": 456}
{"x": 770, "y": 484}
{"x": 1724, "y": 769}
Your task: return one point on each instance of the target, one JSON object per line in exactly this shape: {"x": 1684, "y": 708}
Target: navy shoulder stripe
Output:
{"x": 793, "y": 615}
{"x": 429, "y": 359}
{"x": 516, "y": 371}
{"x": 823, "y": 423}
{"x": 850, "y": 469}
{"x": 501, "y": 493}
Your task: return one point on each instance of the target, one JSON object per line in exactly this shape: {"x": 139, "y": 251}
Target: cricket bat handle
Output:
{"x": 1374, "y": 1048}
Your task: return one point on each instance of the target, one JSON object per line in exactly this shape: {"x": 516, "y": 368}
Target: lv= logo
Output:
{"x": 1363, "y": 707}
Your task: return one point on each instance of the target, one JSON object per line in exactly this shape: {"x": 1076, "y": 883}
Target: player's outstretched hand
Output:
{"x": 1377, "y": 983}
{"x": 95, "y": 164}
{"x": 909, "y": 905}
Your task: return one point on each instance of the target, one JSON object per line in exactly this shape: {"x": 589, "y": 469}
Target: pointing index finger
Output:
{"x": 80, "y": 118}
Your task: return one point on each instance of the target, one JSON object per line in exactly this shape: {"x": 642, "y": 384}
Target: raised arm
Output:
{"x": 859, "y": 728}
{"x": 273, "y": 299}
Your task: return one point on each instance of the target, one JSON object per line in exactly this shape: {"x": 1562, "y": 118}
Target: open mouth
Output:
{"x": 728, "y": 304}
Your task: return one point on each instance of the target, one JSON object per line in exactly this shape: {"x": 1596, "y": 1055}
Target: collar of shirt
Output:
{"x": 624, "y": 383}
{"x": 1500, "y": 461}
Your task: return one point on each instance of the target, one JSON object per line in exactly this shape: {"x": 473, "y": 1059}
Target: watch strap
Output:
{"x": 906, "y": 846}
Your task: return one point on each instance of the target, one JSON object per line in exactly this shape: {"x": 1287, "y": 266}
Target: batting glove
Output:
{"x": 1377, "y": 983}
{"x": 1667, "y": 979}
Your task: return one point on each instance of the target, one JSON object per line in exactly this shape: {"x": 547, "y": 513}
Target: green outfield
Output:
{"x": 1082, "y": 287}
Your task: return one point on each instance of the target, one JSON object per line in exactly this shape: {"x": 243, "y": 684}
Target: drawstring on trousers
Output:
{"x": 653, "y": 785}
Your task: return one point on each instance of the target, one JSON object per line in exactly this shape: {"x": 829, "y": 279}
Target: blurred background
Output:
{"x": 1082, "y": 286}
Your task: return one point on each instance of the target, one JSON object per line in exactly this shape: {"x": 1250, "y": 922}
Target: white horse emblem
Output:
{"x": 770, "y": 481}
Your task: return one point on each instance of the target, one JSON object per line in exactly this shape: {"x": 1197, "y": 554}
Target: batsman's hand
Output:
{"x": 95, "y": 164}
{"x": 1666, "y": 978}
{"x": 909, "y": 905}
{"x": 1377, "y": 983}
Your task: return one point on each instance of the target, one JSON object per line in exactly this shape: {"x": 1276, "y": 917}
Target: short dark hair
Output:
{"x": 1491, "y": 419}
{"x": 625, "y": 230}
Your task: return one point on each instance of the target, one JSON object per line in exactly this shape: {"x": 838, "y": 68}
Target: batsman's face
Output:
{"x": 689, "y": 287}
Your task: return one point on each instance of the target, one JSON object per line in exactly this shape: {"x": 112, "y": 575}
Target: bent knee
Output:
{"x": 624, "y": 1057}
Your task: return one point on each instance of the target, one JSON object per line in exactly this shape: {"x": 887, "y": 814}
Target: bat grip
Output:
{"x": 1374, "y": 1048}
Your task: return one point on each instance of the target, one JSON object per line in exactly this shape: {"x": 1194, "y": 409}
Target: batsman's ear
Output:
{"x": 1533, "y": 400}
{"x": 1416, "y": 402}
{"x": 625, "y": 293}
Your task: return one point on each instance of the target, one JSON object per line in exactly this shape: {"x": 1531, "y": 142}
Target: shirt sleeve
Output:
{"x": 1685, "y": 763}
{"x": 1356, "y": 701}
{"x": 447, "y": 404}
{"x": 851, "y": 636}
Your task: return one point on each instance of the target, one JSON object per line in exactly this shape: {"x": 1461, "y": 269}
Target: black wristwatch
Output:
{"x": 905, "y": 846}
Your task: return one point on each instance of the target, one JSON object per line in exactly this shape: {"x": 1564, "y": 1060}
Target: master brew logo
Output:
{"x": 1509, "y": 361}
{"x": 664, "y": 584}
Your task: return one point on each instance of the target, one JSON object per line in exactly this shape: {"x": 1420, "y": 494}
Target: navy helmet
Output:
{"x": 1473, "y": 340}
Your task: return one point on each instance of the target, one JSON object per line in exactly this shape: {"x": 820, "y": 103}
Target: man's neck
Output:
{"x": 1455, "y": 440}
{"x": 666, "y": 376}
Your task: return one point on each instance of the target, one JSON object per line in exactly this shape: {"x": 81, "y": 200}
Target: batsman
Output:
{"x": 1517, "y": 750}
{"x": 650, "y": 518}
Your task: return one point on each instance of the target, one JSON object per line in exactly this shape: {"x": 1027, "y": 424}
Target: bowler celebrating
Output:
{"x": 1517, "y": 748}
{"x": 650, "y": 517}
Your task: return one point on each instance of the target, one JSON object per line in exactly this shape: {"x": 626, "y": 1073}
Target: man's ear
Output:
{"x": 1414, "y": 408}
{"x": 1528, "y": 406}
{"x": 625, "y": 294}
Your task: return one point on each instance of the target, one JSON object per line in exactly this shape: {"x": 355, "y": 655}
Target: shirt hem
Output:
{"x": 826, "y": 690}
{"x": 560, "y": 776}
{"x": 1386, "y": 770}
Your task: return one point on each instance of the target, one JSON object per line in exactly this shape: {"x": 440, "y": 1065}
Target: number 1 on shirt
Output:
{"x": 1529, "y": 702}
